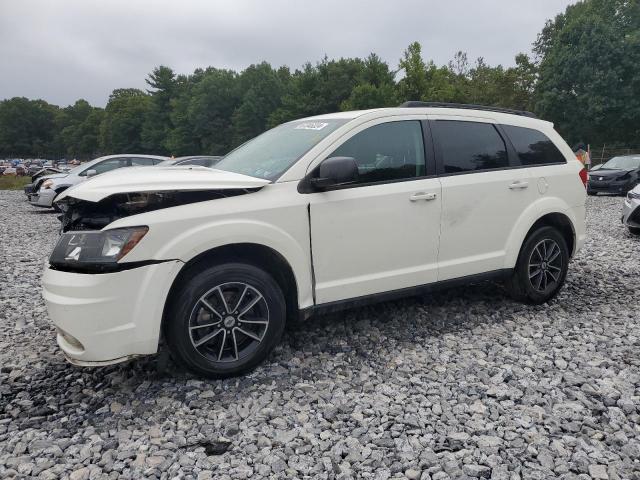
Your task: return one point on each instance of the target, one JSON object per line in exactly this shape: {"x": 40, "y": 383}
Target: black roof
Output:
{"x": 467, "y": 106}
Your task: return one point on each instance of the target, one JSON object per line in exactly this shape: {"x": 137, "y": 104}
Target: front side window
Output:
{"x": 533, "y": 147}
{"x": 386, "y": 152}
{"x": 107, "y": 165}
{"x": 271, "y": 154}
{"x": 469, "y": 146}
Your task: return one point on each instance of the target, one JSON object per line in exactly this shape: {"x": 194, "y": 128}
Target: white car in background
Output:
{"x": 47, "y": 188}
{"x": 312, "y": 216}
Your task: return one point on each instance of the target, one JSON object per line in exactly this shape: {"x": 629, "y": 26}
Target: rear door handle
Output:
{"x": 519, "y": 185}
{"x": 422, "y": 196}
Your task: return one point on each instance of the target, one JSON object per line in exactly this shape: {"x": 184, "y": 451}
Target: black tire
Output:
{"x": 238, "y": 341}
{"x": 591, "y": 194}
{"x": 634, "y": 230}
{"x": 543, "y": 286}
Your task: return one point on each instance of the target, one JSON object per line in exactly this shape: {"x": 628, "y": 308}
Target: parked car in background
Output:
{"x": 314, "y": 215}
{"x": 631, "y": 211}
{"x": 618, "y": 175}
{"x": 34, "y": 185}
{"x": 202, "y": 160}
{"x": 13, "y": 171}
{"x": 48, "y": 187}
{"x": 33, "y": 169}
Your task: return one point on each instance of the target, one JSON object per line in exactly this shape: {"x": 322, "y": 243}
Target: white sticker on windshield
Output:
{"x": 311, "y": 126}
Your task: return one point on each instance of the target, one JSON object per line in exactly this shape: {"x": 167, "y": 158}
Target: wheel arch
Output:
{"x": 258, "y": 255}
{"x": 562, "y": 223}
{"x": 551, "y": 214}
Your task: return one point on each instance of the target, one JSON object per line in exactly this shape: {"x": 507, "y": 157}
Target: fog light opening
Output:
{"x": 69, "y": 339}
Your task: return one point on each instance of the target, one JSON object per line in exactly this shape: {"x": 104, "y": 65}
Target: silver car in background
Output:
{"x": 631, "y": 211}
{"x": 49, "y": 187}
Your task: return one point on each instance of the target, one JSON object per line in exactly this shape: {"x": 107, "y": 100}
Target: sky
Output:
{"x": 63, "y": 50}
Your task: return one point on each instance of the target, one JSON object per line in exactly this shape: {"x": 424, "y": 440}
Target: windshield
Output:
{"x": 269, "y": 155}
{"x": 622, "y": 163}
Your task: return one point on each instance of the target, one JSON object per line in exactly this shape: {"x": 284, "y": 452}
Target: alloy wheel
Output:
{"x": 229, "y": 322}
{"x": 545, "y": 265}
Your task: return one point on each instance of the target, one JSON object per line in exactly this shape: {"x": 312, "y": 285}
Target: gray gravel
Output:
{"x": 462, "y": 384}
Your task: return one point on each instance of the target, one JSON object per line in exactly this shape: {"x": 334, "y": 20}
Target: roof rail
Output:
{"x": 467, "y": 106}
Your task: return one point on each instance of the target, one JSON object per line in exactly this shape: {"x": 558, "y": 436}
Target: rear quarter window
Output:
{"x": 533, "y": 147}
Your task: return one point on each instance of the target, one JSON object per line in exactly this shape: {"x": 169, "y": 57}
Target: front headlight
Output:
{"x": 46, "y": 184}
{"x": 95, "y": 251}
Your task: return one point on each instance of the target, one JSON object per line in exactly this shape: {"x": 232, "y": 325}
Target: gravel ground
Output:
{"x": 461, "y": 384}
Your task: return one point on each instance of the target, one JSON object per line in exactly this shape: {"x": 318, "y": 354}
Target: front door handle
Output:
{"x": 519, "y": 185}
{"x": 422, "y": 196}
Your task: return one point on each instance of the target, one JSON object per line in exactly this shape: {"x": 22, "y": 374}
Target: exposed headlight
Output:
{"x": 46, "y": 184}
{"x": 95, "y": 251}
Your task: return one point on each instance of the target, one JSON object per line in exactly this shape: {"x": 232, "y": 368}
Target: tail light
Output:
{"x": 584, "y": 176}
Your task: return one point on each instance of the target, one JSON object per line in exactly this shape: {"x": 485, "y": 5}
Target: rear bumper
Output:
{"x": 613, "y": 186}
{"x": 108, "y": 318}
{"x": 578, "y": 217}
{"x": 42, "y": 198}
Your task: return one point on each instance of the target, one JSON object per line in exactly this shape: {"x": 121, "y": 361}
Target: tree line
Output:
{"x": 583, "y": 75}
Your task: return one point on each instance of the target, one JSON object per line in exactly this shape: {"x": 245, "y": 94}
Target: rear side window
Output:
{"x": 142, "y": 162}
{"x": 386, "y": 152}
{"x": 469, "y": 146}
{"x": 533, "y": 147}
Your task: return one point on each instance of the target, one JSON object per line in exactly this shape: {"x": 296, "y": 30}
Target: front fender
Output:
{"x": 189, "y": 242}
{"x": 531, "y": 215}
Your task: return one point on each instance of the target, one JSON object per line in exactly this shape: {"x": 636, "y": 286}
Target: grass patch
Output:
{"x": 13, "y": 183}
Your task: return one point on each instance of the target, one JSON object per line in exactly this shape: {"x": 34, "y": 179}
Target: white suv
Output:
{"x": 314, "y": 215}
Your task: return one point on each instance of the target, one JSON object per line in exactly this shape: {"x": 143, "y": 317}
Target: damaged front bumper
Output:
{"x": 42, "y": 198}
{"x": 108, "y": 318}
{"x": 631, "y": 210}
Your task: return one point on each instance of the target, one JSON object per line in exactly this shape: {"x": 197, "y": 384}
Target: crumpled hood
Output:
{"x": 52, "y": 176}
{"x": 159, "y": 179}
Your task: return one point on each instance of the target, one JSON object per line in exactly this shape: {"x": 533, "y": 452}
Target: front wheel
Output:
{"x": 542, "y": 267}
{"x": 225, "y": 320}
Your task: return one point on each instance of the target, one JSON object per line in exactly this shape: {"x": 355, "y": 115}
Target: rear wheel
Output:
{"x": 225, "y": 320}
{"x": 542, "y": 267}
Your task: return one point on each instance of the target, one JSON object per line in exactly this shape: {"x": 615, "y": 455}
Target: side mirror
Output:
{"x": 91, "y": 173}
{"x": 334, "y": 171}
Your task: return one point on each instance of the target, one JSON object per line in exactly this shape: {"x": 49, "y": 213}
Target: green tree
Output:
{"x": 27, "y": 127}
{"x": 589, "y": 71}
{"x": 319, "y": 89}
{"x": 262, "y": 89}
{"x": 414, "y": 85}
{"x": 78, "y": 129}
{"x": 157, "y": 122}
{"x": 124, "y": 116}
{"x": 375, "y": 88}
{"x": 214, "y": 98}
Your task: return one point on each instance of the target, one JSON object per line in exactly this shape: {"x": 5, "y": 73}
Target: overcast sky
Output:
{"x": 63, "y": 50}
